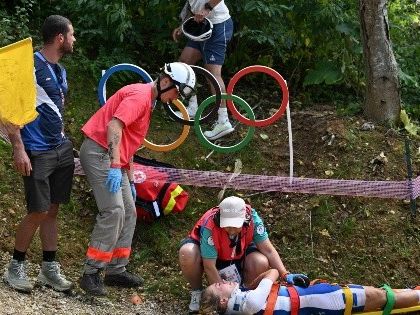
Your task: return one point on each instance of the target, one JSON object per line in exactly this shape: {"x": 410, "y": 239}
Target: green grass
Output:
{"x": 341, "y": 239}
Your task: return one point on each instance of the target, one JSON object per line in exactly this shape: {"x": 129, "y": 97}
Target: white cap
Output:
{"x": 232, "y": 212}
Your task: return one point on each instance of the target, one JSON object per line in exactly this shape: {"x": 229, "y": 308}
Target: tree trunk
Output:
{"x": 382, "y": 99}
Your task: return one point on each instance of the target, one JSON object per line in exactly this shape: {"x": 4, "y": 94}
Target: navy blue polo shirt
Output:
{"x": 46, "y": 131}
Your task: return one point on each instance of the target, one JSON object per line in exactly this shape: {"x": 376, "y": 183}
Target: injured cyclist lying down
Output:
{"x": 266, "y": 296}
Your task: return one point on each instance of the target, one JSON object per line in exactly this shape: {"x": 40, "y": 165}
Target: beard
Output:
{"x": 66, "y": 48}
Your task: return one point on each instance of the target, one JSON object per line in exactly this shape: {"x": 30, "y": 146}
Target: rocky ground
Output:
{"x": 46, "y": 301}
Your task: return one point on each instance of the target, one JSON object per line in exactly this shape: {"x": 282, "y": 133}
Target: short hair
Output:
{"x": 210, "y": 303}
{"x": 54, "y": 25}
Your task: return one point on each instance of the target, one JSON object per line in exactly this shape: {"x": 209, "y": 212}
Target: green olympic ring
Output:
{"x": 202, "y": 138}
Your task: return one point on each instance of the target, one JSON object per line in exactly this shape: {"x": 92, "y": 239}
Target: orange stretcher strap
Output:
{"x": 272, "y": 299}
{"x": 349, "y": 300}
{"x": 294, "y": 300}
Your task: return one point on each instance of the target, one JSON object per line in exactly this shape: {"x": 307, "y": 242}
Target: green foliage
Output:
{"x": 325, "y": 71}
{"x": 14, "y": 22}
{"x": 314, "y": 44}
{"x": 405, "y": 35}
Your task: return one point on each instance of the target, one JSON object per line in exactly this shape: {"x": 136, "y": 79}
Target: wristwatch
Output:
{"x": 208, "y": 6}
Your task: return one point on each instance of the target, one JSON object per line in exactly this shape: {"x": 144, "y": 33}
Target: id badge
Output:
{"x": 230, "y": 273}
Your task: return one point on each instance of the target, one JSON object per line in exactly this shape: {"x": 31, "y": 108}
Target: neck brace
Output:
{"x": 236, "y": 301}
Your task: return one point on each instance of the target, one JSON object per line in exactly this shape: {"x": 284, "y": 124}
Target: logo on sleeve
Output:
{"x": 210, "y": 241}
{"x": 260, "y": 229}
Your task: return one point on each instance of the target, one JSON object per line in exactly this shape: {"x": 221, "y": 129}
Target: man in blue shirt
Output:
{"x": 43, "y": 155}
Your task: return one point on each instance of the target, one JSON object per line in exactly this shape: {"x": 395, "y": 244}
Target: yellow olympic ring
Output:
{"x": 180, "y": 140}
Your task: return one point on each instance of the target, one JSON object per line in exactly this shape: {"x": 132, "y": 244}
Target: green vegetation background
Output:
{"x": 316, "y": 46}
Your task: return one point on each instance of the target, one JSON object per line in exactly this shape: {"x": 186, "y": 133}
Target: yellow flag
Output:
{"x": 17, "y": 83}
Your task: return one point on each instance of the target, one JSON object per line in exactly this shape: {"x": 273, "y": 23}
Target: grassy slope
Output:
{"x": 342, "y": 239}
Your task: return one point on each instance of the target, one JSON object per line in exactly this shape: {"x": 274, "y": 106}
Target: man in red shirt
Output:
{"x": 113, "y": 134}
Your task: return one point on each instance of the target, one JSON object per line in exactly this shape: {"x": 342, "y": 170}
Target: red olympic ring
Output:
{"x": 262, "y": 122}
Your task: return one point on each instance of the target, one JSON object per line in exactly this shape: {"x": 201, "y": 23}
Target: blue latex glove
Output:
{"x": 113, "y": 182}
{"x": 297, "y": 279}
{"x": 133, "y": 191}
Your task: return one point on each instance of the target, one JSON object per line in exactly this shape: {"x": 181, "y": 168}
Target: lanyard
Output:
{"x": 59, "y": 86}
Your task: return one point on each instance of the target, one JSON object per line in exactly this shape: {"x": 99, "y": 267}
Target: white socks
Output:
{"x": 222, "y": 115}
{"x": 192, "y": 102}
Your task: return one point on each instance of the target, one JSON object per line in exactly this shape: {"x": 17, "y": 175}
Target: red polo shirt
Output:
{"x": 132, "y": 105}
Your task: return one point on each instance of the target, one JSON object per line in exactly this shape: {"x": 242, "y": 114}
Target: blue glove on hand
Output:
{"x": 133, "y": 191}
{"x": 297, "y": 279}
{"x": 113, "y": 182}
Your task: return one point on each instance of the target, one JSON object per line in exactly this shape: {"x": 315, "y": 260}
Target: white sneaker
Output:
{"x": 219, "y": 130}
{"x": 194, "y": 306}
{"x": 15, "y": 276}
{"x": 50, "y": 275}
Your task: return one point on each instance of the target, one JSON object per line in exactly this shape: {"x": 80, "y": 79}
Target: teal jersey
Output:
{"x": 209, "y": 251}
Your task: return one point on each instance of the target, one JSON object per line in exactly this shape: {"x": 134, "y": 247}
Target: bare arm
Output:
{"x": 22, "y": 162}
{"x": 211, "y": 271}
{"x": 268, "y": 250}
{"x": 272, "y": 274}
{"x": 114, "y": 133}
{"x": 199, "y": 16}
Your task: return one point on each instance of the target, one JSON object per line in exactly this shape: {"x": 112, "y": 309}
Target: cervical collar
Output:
{"x": 236, "y": 301}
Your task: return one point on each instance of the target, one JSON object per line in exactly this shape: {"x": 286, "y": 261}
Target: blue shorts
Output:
{"x": 213, "y": 50}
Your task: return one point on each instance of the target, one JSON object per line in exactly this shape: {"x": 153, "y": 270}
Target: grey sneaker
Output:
{"x": 194, "y": 306}
{"x": 15, "y": 276}
{"x": 50, "y": 275}
{"x": 219, "y": 130}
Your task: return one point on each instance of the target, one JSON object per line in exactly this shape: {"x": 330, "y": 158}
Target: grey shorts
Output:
{"x": 51, "y": 177}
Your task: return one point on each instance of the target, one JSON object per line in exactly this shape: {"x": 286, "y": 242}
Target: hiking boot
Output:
{"x": 194, "y": 306}
{"x": 124, "y": 279}
{"x": 50, "y": 276}
{"x": 92, "y": 284}
{"x": 219, "y": 130}
{"x": 15, "y": 276}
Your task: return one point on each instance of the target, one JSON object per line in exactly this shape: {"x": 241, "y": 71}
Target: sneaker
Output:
{"x": 15, "y": 276}
{"x": 219, "y": 130}
{"x": 124, "y": 279}
{"x": 92, "y": 284}
{"x": 194, "y": 306}
{"x": 50, "y": 275}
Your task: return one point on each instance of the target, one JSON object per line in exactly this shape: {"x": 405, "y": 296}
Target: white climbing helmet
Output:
{"x": 183, "y": 77}
{"x": 197, "y": 31}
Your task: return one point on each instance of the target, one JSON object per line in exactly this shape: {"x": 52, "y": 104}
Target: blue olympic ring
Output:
{"x": 119, "y": 67}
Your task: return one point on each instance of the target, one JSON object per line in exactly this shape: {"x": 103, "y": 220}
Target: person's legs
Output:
{"x": 60, "y": 182}
{"x": 192, "y": 270}
{"x": 376, "y": 298}
{"x": 214, "y": 51}
{"x": 116, "y": 273}
{"x": 37, "y": 196}
{"x": 109, "y": 220}
{"x": 191, "y": 265}
{"x": 255, "y": 263}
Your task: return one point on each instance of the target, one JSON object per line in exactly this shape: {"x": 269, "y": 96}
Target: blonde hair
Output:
{"x": 210, "y": 303}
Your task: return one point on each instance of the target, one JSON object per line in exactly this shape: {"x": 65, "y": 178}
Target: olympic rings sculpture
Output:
{"x": 216, "y": 99}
